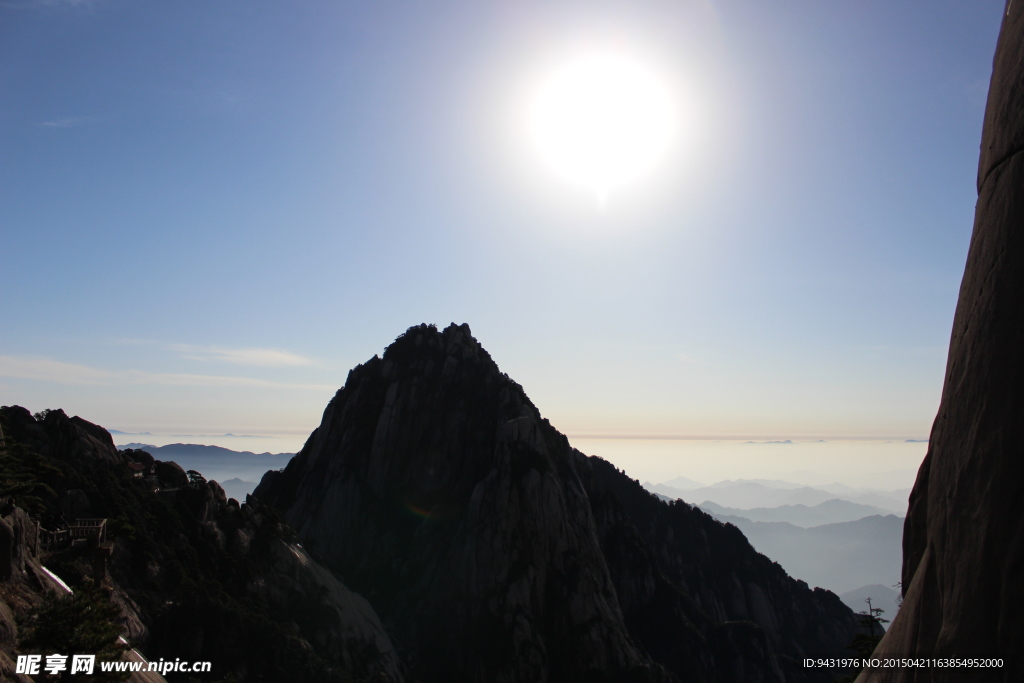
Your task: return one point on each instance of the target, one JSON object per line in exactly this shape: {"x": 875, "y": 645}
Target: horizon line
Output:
{"x": 759, "y": 438}
{"x": 764, "y": 439}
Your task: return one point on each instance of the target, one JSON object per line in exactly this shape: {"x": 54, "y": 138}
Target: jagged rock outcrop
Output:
{"x": 963, "y": 542}
{"x": 290, "y": 587}
{"x": 55, "y": 433}
{"x": 19, "y": 549}
{"x": 19, "y": 540}
{"x": 170, "y": 474}
{"x": 195, "y": 575}
{"x": 494, "y": 552}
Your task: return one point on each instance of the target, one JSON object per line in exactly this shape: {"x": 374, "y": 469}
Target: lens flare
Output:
{"x": 421, "y": 512}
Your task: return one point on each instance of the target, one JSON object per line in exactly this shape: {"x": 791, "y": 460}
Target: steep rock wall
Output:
{"x": 963, "y": 543}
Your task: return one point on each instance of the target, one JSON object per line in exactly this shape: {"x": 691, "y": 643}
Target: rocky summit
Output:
{"x": 491, "y": 550}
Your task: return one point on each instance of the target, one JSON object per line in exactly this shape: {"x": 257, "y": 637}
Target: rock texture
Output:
{"x": 56, "y": 433}
{"x": 434, "y": 486}
{"x": 19, "y": 541}
{"x": 19, "y": 550}
{"x": 963, "y": 543}
{"x": 495, "y": 552}
{"x": 289, "y": 588}
{"x": 195, "y": 575}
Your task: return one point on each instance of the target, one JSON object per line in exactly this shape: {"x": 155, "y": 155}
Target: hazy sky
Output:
{"x": 210, "y": 211}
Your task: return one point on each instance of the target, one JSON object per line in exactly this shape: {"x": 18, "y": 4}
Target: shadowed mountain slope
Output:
{"x": 716, "y": 565}
{"x": 493, "y": 551}
{"x": 194, "y": 575}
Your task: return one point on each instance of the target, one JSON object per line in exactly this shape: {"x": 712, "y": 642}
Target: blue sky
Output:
{"x": 211, "y": 211}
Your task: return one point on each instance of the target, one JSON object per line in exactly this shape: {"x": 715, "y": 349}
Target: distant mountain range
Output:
{"x": 839, "y": 557}
{"x": 833, "y": 536}
{"x": 199, "y": 450}
{"x": 747, "y": 494}
{"x": 830, "y": 512}
{"x": 683, "y": 484}
{"x": 215, "y": 462}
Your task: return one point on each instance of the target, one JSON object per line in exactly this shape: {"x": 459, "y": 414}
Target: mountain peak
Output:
{"x": 437, "y": 490}
{"x": 434, "y": 487}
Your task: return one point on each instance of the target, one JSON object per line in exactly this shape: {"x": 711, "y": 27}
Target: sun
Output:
{"x": 602, "y": 121}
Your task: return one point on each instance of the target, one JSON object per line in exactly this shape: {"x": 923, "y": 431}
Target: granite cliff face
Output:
{"x": 493, "y": 551}
{"x": 963, "y": 542}
{"x": 436, "y": 488}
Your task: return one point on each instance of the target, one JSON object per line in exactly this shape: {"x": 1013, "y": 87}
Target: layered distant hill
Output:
{"x": 836, "y": 543}
{"x": 746, "y": 494}
{"x": 221, "y": 464}
{"x": 829, "y": 512}
{"x": 839, "y": 557}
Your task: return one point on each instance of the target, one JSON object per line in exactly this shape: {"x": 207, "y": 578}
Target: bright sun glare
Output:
{"x": 602, "y": 121}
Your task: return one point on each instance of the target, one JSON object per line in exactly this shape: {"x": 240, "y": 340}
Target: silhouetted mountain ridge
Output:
{"x": 475, "y": 545}
{"x": 200, "y": 450}
{"x": 748, "y": 494}
{"x": 434, "y": 486}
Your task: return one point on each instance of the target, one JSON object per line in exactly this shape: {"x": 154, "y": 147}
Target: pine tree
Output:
{"x": 864, "y": 642}
{"x": 83, "y": 623}
{"x": 24, "y": 475}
